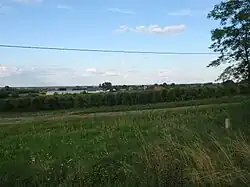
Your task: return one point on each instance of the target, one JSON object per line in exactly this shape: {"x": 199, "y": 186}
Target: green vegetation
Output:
{"x": 62, "y": 89}
{"x": 8, "y": 92}
{"x": 232, "y": 39}
{"x": 104, "y": 109}
{"x": 185, "y": 147}
{"x": 106, "y": 85}
{"x": 70, "y": 101}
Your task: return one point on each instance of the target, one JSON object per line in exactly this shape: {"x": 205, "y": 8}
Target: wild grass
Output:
{"x": 188, "y": 147}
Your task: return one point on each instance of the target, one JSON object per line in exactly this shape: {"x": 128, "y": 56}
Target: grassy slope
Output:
{"x": 185, "y": 147}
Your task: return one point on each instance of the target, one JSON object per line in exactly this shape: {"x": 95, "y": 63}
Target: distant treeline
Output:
{"x": 7, "y": 92}
{"x": 68, "y": 101}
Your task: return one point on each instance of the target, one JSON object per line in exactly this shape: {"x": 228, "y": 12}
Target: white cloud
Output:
{"x": 165, "y": 73}
{"x": 65, "y": 7}
{"x": 123, "y": 28}
{"x": 3, "y": 70}
{"x": 28, "y": 1}
{"x": 112, "y": 73}
{"x": 56, "y": 76}
{"x": 190, "y": 76}
{"x": 94, "y": 71}
{"x": 91, "y": 70}
{"x": 121, "y": 11}
{"x": 153, "y": 29}
{"x": 3, "y": 9}
{"x": 6, "y": 71}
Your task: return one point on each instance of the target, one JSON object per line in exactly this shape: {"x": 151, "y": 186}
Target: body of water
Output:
{"x": 73, "y": 92}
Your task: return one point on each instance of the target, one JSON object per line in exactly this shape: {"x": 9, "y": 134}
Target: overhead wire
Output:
{"x": 104, "y": 50}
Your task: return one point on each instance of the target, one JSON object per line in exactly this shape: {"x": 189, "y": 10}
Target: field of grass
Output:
{"x": 185, "y": 147}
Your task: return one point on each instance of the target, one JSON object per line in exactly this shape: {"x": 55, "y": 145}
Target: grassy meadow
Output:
{"x": 184, "y": 147}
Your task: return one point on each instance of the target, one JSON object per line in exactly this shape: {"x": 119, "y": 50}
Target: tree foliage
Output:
{"x": 106, "y": 85}
{"x": 14, "y": 92}
{"x": 232, "y": 39}
{"x": 172, "y": 94}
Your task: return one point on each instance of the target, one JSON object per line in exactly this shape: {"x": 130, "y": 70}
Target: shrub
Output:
{"x": 67, "y": 101}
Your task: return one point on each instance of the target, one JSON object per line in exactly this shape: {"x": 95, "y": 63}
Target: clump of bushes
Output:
{"x": 54, "y": 102}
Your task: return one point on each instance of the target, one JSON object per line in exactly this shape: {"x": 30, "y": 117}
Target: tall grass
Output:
{"x": 176, "y": 163}
{"x": 188, "y": 147}
{"x": 173, "y": 162}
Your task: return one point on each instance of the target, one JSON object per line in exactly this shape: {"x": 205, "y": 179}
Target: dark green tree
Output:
{"x": 7, "y": 88}
{"x": 232, "y": 39}
{"x": 164, "y": 84}
{"x": 62, "y": 89}
{"x": 107, "y": 85}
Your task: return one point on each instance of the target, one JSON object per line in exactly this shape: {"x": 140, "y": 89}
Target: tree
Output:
{"x": 232, "y": 39}
{"x": 229, "y": 82}
{"x": 15, "y": 95}
{"x": 62, "y": 89}
{"x": 107, "y": 85}
{"x": 7, "y": 88}
{"x": 3, "y": 94}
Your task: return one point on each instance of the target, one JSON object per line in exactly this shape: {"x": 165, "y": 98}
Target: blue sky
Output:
{"x": 158, "y": 25}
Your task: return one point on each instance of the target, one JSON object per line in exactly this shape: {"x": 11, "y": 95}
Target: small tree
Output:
{"x": 232, "y": 39}
{"x": 7, "y": 88}
{"x": 107, "y": 85}
{"x": 62, "y": 89}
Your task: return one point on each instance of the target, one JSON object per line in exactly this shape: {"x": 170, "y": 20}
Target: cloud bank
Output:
{"x": 28, "y": 1}
{"x": 121, "y": 11}
{"x": 56, "y": 76}
{"x": 62, "y": 6}
{"x": 4, "y": 9}
{"x": 153, "y": 29}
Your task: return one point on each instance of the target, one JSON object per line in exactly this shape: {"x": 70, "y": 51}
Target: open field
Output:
{"x": 184, "y": 147}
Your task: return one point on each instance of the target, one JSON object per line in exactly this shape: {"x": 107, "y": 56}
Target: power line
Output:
{"x": 103, "y": 50}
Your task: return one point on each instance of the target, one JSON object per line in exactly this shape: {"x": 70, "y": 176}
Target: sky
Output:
{"x": 159, "y": 25}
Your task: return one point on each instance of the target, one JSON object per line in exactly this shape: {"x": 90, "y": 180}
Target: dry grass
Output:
{"x": 175, "y": 163}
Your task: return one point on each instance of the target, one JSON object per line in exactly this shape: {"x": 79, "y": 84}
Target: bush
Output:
{"x": 67, "y": 101}
{"x": 4, "y": 94}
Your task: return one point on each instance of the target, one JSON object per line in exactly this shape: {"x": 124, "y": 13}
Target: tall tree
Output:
{"x": 232, "y": 39}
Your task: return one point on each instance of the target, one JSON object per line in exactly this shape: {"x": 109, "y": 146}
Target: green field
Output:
{"x": 181, "y": 147}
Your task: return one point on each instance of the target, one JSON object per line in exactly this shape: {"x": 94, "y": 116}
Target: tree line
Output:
{"x": 68, "y": 101}
{"x": 7, "y": 92}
